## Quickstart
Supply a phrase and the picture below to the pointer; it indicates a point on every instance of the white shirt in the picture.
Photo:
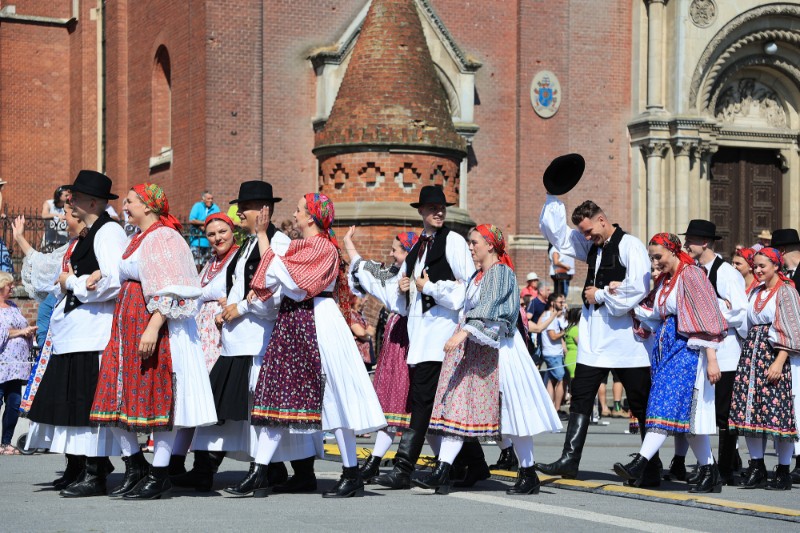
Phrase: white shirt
(564, 259)
(87, 328)
(730, 286)
(550, 347)
(606, 332)
(250, 333)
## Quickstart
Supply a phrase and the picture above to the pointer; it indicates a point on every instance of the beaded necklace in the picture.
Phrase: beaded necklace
(667, 287)
(762, 300)
(216, 266)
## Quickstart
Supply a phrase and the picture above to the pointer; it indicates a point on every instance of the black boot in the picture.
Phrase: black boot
(755, 477)
(677, 469)
(710, 480)
(407, 454)
(201, 476)
(633, 471)
(567, 465)
(370, 468)
(350, 484)
(727, 457)
(474, 473)
(277, 474)
(782, 479)
(136, 469)
(652, 474)
(254, 482)
(796, 472)
(75, 466)
(439, 479)
(303, 479)
(527, 482)
(93, 479)
(474, 460)
(506, 461)
(177, 465)
(155, 485)
(693, 477)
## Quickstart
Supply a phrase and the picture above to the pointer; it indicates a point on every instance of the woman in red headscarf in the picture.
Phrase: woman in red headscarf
(743, 262)
(153, 375)
(683, 314)
(485, 357)
(762, 406)
(391, 378)
(313, 377)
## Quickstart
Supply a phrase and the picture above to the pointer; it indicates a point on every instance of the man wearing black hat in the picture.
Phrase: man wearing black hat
(246, 330)
(605, 328)
(80, 329)
(787, 241)
(729, 286)
(440, 265)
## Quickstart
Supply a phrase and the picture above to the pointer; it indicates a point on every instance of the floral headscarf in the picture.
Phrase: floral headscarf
(222, 217)
(748, 254)
(321, 210)
(672, 242)
(408, 239)
(154, 197)
(777, 259)
(494, 237)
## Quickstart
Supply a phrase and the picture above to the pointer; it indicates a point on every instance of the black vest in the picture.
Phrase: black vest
(712, 274)
(83, 258)
(611, 269)
(250, 266)
(435, 263)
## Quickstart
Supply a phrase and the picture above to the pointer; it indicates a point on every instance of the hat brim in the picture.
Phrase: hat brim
(90, 192)
(712, 237)
(417, 205)
(563, 174)
(780, 244)
(271, 200)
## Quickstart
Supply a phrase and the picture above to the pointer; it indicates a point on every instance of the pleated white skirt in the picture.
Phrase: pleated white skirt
(194, 401)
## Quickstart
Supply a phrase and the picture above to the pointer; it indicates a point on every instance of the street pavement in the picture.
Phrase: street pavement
(594, 503)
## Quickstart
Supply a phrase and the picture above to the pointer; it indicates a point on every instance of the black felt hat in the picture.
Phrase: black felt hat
(702, 228)
(563, 173)
(93, 184)
(431, 194)
(255, 190)
(784, 237)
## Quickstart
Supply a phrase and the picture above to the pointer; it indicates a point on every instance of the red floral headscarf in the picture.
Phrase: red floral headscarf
(153, 196)
(221, 217)
(748, 254)
(494, 237)
(408, 239)
(776, 259)
(321, 210)
(672, 242)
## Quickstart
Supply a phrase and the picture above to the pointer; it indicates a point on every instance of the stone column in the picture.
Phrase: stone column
(655, 53)
(654, 152)
(706, 154)
(694, 183)
(682, 149)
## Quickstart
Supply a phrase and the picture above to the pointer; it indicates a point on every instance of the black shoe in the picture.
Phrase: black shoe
(677, 469)
(439, 479)
(567, 465)
(527, 482)
(297, 484)
(755, 477)
(370, 468)
(177, 465)
(475, 472)
(693, 477)
(782, 479)
(507, 460)
(633, 471)
(652, 474)
(350, 484)
(254, 483)
(92, 481)
(136, 469)
(155, 485)
(795, 474)
(277, 474)
(201, 476)
(399, 478)
(710, 480)
(75, 466)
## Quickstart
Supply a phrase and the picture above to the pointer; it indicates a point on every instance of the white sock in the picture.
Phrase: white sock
(435, 442)
(504, 443)
(651, 444)
(164, 440)
(128, 441)
(755, 445)
(268, 440)
(785, 450)
(523, 447)
(449, 449)
(681, 445)
(346, 439)
(701, 447)
(383, 441)
(182, 441)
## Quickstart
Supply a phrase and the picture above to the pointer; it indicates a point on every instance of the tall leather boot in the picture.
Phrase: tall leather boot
(303, 480)
(567, 465)
(155, 485)
(75, 466)
(93, 480)
(439, 479)
(254, 483)
(633, 471)
(177, 465)
(136, 469)
(727, 461)
(405, 459)
(350, 484)
(201, 476)
(277, 474)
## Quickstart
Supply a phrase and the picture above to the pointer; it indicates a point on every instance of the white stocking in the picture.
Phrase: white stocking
(681, 445)
(651, 444)
(164, 440)
(504, 443)
(435, 442)
(269, 439)
(449, 449)
(383, 441)
(346, 439)
(785, 450)
(701, 448)
(128, 441)
(523, 447)
(755, 445)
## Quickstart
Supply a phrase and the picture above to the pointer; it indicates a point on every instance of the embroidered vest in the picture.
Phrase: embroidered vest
(83, 258)
(435, 263)
(250, 266)
(611, 269)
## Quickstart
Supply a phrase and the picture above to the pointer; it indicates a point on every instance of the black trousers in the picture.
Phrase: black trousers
(723, 393)
(588, 379)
